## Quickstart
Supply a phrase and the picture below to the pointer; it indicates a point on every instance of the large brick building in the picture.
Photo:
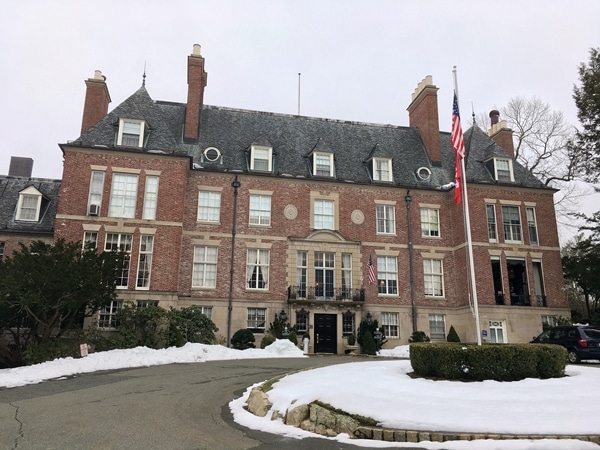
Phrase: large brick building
(247, 214)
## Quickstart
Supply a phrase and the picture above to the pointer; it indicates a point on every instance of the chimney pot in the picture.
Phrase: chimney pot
(196, 50)
(494, 116)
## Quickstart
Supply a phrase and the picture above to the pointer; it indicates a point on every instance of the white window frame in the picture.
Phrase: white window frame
(107, 316)
(126, 131)
(320, 161)
(382, 169)
(387, 275)
(96, 189)
(256, 318)
(437, 327)
(150, 197)
(532, 227)
(504, 173)
(260, 210)
(204, 267)
(433, 277)
(257, 265)
(490, 214)
(512, 229)
(430, 222)
(385, 218)
(123, 195)
(390, 325)
(144, 269)
(346, 276)
(206, 310)
(301, 273)
(258, 156)
(2, 246)
(26, 210)
(141, 304)
(90, 237)
(209, 206)
(123, 242)
(497, 332)
(323, 214)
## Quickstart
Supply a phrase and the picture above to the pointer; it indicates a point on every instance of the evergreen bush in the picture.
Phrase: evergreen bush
(418, 336)
(243, 339)
(267, 340)
(352, 339)
(368, 344)
(293, 338)
(453, 335)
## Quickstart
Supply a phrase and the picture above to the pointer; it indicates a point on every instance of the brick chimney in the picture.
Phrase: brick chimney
(423, 114)
(501, 133)
(96, 103)
(196, 83)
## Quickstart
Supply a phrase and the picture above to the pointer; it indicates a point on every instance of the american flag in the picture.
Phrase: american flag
(371, 271)
(458, 145)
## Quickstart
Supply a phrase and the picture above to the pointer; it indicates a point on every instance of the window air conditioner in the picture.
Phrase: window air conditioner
(94, 210)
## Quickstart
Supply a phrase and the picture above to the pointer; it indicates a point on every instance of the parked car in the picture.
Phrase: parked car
(582, 342)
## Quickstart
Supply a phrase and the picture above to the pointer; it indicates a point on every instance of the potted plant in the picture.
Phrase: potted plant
(351, 344)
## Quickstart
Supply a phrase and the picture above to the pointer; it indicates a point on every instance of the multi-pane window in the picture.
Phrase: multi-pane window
(150, 198)
(538, 282)
(301, 272)
(382, 169)
(387, 275)
(346, 276)
(141, 304)
(145, 261)
(204, 272)
(131, 133)
(490, 212)
(386, 222)
(1, 251)
(28, 208)
(256, 318)
(123, 195)
(120, 242)
(503, 170)
(389, 324)
(206, 310)
(209, 206)
(430, 222)
(437, 326)
(497, 333)
(511, 220)
(90, 239)
(260, 209)
(96, 189)
(323, 164)
(302, 321)
(433, 274)
(324, 214)
(257, 268)
(532, 226)
(348, 323)
(324, 274)
(107, 317)
(549, 322)
(261, 159)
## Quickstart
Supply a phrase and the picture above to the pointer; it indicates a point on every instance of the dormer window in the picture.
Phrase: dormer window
(28, 208)
(323, 164)
(131, 133)
(382, 169)
(261, 158)
(501, 169)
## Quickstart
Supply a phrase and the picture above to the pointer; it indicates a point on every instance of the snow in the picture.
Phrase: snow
(380, 388)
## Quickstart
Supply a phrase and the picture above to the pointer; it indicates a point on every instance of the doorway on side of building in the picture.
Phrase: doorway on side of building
(325, 333)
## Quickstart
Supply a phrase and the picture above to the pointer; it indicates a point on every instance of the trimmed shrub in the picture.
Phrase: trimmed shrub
(418, 336)
(58, 348)
(243, 339)
(351, 339)
(267, 340)
(452, 335)
(500, 362)
(368, 344)
(293, 338)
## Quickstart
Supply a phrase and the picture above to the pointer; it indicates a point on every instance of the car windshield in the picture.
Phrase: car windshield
(592, 333)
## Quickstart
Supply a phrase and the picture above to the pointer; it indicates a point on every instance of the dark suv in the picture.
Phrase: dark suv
(582, 342)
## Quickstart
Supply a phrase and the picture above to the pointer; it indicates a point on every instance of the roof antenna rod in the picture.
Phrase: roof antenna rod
(144, 76)
(473, 113)
(299, 74)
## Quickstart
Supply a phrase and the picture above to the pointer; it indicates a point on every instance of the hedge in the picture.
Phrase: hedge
(500, 362)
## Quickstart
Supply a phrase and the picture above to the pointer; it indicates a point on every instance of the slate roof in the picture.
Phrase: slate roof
(9, 198)
(293, 138)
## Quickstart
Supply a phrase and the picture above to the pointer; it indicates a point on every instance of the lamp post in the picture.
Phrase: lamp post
(283, 318)
(235, 184)
(408, 201)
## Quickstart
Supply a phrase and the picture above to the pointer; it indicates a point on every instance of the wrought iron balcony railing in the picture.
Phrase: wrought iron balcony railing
(325, 293)
(522, 300)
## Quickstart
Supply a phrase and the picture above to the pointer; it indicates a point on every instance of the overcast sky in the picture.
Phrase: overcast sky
(359, 60)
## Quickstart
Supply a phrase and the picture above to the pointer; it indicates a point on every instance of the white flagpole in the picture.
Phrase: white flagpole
(465, 199)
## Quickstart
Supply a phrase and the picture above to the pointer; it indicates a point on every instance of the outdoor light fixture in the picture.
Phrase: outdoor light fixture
(282, 316)
(369, 318)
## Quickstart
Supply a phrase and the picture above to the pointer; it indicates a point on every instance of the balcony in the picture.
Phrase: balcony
(318, 293)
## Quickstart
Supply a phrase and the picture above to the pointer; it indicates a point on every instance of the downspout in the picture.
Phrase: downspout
(235, 185)
(408, 200)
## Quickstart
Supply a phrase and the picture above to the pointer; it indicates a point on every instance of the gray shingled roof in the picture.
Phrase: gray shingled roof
(9, 198)
(293, 138)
